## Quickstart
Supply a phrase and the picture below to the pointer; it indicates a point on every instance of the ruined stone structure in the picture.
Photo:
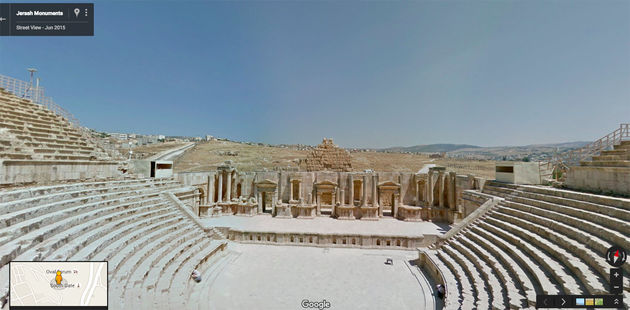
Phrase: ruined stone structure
(508, 242)
(328, 157)
(432, 196)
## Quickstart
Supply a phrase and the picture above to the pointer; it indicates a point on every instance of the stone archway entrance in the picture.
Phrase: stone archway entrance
(388, 196)
(266, 195)
(325, 197)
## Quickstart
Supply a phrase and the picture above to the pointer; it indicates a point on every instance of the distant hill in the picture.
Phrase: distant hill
(532, 152)
(429, 148)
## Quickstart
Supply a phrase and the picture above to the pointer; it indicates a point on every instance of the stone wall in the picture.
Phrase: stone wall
(435, 195)
(602, 180)
(331, 240)
(27, 171)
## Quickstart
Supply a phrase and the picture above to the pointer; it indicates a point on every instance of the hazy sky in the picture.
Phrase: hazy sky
(368, 74)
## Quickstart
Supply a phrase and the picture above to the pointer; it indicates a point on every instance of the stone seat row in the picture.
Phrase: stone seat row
(9, 100)
(24, 126)
(21, 107)
(129, 223)
(33, 121)
(541, 242)
(619, 156)
(13, 213)
(33, 125)
(57, 192)
(27, 116)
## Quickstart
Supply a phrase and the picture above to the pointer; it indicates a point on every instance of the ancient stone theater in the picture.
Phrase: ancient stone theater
(324, 234)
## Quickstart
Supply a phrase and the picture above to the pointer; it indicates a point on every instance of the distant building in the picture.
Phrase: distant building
(148, 139)
(119, 136)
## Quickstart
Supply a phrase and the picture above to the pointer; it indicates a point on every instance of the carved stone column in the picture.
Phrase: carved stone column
(452, 191)
(441, 188)
(228, 188)
(429, 188)
(342, 195)
(291, 191)
(279, 187)
(364, 202)
(375, 200)
(418, 203)
(319, 203)
(220, 193)
(210, 189)
(351, 193)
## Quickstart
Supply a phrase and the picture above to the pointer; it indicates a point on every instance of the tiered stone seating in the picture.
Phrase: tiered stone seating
(537, 240)
(44, 134)
(37, 145)
(608, 172)
(619, 156)
(129, 223)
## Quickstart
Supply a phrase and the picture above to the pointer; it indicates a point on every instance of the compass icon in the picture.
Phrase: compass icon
(616, 256)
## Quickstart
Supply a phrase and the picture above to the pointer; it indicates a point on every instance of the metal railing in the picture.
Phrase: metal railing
(36, 94)
(560, 163)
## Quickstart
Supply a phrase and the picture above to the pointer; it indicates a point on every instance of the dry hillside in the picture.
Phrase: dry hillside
(208, 155)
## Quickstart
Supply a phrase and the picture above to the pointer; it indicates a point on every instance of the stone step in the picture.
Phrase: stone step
(527, 212)
(582, 263)
(10, 201)
(46, 249)
(15, 156)
(513, 288)
(22, 214)
(502, 184)
(158, 217)
(492, 192)
(151, 281)
(468, 298)
(109, 243)
(454, 296)
(593, 217)
(195, 292)
(183, 266)
(103, 233)
(10, 113)
(150, 256)
(27, 118)
(40, 231)
(528, 268)
(35, 222)
(182, 277)
(613, 152)
(623, 203)
(494, 289)
(479, 287)
(606, 163)
(608, 235)
(611, 211)
(124, 273)
(556, 269)
(145, 236)
(625, 156)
